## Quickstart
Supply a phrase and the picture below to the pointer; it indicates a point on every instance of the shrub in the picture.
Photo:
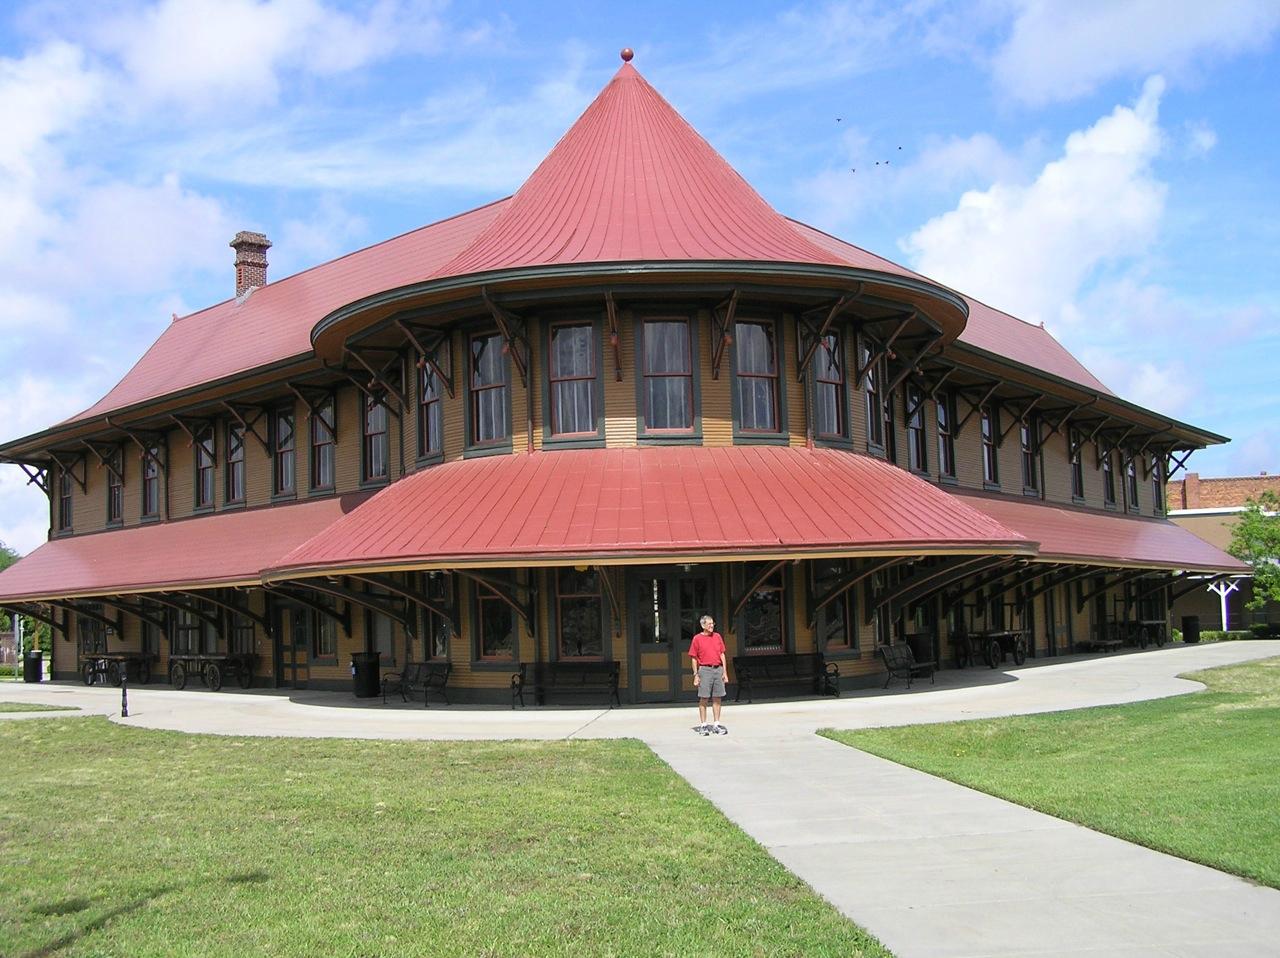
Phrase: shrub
(1217, 635)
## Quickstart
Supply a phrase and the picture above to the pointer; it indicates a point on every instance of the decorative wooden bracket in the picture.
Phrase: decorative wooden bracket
(314, 399)
(912, 365)
(615, 338)
(145, 443)
(166, 599)
(833, 313)
(69, 468)
(974, 407)
(250, 426)
(615, 608)
(1121, 579)
(393, 607)
(260, 620)
(29, 612)
(37, 475)
(929, 582)
(117, 623)
(107, 460)
(932, 390)
(508, 595)
(1173, 462)
(758, 581)
(448, 613)
(299, 597)
(192, 427)
(1065, 577)
(722, 331)
(429, 352)
(136, 610)
(997, 574)
(1019, 418)
(846, 582)
(513, 332)
(380, 377)
(886, 348)
(1056, 427)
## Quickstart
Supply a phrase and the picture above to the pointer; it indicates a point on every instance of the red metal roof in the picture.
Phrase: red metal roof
(275, 322)
(1083, 535)
(632, 181)
(988, 328)
(687, 502)
(227, 548)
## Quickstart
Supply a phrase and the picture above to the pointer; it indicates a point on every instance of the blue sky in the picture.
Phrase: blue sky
(1106, 167)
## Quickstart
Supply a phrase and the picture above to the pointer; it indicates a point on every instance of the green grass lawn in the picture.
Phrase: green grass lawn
(35, 707)
(119, 841)
(1195, 776)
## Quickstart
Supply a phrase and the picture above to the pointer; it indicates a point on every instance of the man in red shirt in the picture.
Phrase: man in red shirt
(710, 673)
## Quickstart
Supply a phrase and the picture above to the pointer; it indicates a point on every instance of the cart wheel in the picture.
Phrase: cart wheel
(995, 655)
(86, 673)
(144, 672)
(1143, 638)
(178, 675)
(1160, 638)
(113, 674)
(245, 676)
(1019, 652)
(213, 676)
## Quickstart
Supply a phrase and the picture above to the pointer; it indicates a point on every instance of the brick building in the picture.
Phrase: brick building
(553, 431)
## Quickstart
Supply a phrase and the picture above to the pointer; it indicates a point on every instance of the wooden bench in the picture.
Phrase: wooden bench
(902, 662)
(424, 677)
(566, 677)
(785, 668)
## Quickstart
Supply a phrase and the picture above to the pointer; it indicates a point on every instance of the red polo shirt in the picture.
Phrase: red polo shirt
(707, 649)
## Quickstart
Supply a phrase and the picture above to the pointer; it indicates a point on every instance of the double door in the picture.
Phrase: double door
(665, 605)
(295, 643)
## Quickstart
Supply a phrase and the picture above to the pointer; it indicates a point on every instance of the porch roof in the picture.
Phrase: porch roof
(663, 503)
(1068, 534)
(229, 548)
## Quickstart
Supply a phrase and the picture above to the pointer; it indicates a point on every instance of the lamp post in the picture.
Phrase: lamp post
(124, 689)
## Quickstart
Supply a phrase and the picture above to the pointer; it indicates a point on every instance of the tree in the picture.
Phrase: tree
(1256, 540)
(7, 558)
(36, 633)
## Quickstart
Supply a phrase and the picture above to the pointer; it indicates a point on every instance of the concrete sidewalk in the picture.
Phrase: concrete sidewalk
(930, 867)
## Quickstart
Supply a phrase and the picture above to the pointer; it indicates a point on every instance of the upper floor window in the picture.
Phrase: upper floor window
(917, 442)
(1131, 482)
(667, 374)
(1077, 465)
(830, 420)
(430, 440)
(1030, 474)
(115, 486)
(64, 500)
(755, 346)
(579, 613)
(204, 468)
(990, 452)
(324, 438)
(151, 481)
(375, 440)
(235, 463)
(1108, 480)
(875, 411)
(1157, 483)
(946, 437)
(285, 454)
(890, 433)
(571, 368)
(488, 384)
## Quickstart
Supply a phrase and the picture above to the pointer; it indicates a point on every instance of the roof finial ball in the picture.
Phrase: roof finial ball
(627, 54)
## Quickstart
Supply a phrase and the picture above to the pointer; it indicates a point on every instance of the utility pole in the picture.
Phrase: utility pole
(17, 643)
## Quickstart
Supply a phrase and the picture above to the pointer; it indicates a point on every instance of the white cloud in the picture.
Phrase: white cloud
(1057, 51)
(1029, 248)
(1168, 387)
(1201, 138)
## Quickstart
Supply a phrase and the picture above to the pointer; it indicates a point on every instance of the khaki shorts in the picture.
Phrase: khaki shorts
(710, 682)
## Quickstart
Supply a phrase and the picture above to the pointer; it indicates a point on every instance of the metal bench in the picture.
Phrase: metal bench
(424, 677)
(785, 668)
(901, 662)
(570, 677)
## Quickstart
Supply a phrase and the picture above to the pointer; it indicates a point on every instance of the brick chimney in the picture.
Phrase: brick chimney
(251, 260)
(1191, 491)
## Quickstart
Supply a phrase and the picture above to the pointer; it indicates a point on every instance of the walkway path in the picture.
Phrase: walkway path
(930, 867)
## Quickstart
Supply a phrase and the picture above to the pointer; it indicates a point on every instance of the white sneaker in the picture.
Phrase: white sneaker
(719, 730)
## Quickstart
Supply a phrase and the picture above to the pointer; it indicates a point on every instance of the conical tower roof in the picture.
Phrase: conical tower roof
(632, 181)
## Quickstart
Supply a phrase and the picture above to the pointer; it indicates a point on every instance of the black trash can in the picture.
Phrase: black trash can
(364, 674)
(33, 666)
(1191, 628)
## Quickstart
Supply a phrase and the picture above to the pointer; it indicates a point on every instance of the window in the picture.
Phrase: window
(579, 614)
(1108, 480)
(285, 457)
(186, 633)
(324, 437)
(488, 381)
(835, 625)
(1030, 474)
(1131, 482)
(438, 588)
(571, 367)
(763, 615)
(1157, 484)
(917, 442)
(890, 434)
(115, 486)
(828, 400)
(430, 442)
(151, 482)
(235, 463)
(667, 375)
(875, 414)
(946, 438)
(64, 500)
(756, 361)
(324, 631)
(381, 634)
(204, 468)
(495, 626)
(1077, 465)
(375, 440)
(242, 635)
(990, 454)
